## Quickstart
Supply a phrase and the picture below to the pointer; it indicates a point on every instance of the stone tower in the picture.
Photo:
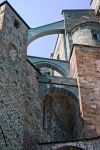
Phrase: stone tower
(41, 111)
(82, 33)
(13, 37)
(14, 80)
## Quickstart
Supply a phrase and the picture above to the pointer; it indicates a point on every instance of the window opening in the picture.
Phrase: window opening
(12, 52)
(16, 24)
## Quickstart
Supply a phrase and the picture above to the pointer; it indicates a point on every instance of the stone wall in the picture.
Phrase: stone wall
(33, 107)
(19, 128)
(56, 94)
(85, 66)
(76, 17)
(86, 144)
(84, 34)
(45, 109)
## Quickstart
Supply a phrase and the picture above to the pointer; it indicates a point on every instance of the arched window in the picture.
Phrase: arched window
(13, 52)
(61, 115)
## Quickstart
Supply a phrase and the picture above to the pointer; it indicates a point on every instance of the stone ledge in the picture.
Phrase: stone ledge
(58, 80)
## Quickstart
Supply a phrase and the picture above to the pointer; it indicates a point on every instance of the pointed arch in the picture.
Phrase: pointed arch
(61, 114)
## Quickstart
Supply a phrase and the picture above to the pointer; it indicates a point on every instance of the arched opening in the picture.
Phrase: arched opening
(13, 52)
(42, 47)
(53, 28)
(45, 71)
(46, 43)
(51, 66)
(69, 148)
(61, 115)
(49, 34)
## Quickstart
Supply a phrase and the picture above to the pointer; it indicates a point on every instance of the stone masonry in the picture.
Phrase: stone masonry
(50, 112)
(84, 57)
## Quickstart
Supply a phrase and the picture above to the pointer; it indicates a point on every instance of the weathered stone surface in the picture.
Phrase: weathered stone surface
(86, 144)
(76, 17)
(45, 112)
(85, 66)
(18, 89)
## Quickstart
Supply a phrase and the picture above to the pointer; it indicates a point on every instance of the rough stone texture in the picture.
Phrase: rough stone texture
(61, 115)
(83, 34)
(18, 88)
(12, 83)
(57, 95)
(86, 144)
(79, 25)
(45, 109)
(85, 66)
(76, 17)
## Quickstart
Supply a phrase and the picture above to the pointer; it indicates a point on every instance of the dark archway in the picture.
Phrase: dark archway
(62, 119)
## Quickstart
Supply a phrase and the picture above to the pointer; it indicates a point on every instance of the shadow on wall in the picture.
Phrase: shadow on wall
(69, 148)
(61, 116)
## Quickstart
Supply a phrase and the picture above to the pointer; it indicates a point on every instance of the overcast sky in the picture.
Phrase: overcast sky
(41, 12)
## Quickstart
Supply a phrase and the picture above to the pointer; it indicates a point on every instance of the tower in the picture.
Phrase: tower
(13, 50)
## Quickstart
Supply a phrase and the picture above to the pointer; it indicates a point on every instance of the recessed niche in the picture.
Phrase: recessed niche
(16, 24)
(13, 52)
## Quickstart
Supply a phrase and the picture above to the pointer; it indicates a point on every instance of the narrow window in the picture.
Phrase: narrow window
(95, 36)
(58, 57)
(16, 24)
(12, 52)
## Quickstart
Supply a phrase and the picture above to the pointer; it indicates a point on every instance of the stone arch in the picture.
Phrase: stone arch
(69, 148)
(53, 66)
(53, 28)
(62, 119)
